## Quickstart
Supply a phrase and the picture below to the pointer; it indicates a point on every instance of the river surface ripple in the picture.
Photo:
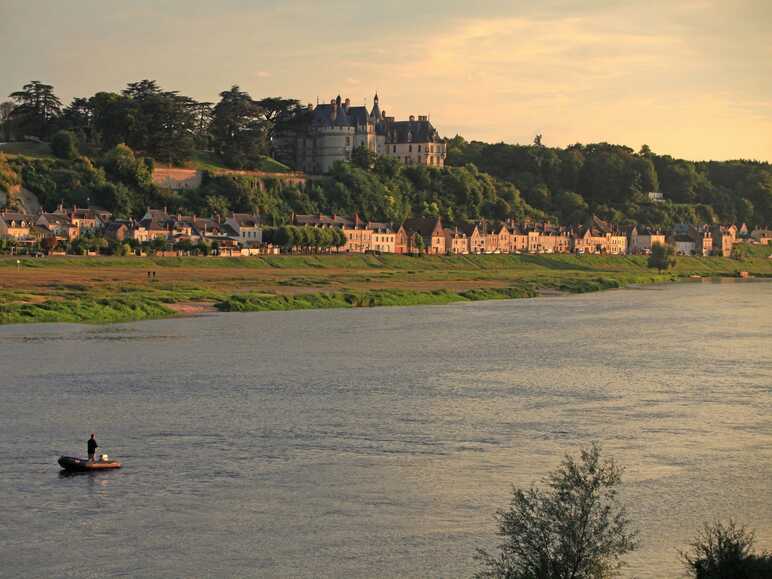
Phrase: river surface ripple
(378, 442)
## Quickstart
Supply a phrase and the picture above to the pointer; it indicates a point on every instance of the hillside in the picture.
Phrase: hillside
(613, 182)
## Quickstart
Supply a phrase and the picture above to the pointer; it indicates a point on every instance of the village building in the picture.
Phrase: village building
(384, 238)
(332, 131)
(16, 225)
(598, 236)
(119, 230)
(703, 239)
(88, 219)
(456, 241)
(431, 233)
(683, 245)
(518, 238)
(247, 228)
(762, 236)
(59, 225)
(642, 239)
(723, 239)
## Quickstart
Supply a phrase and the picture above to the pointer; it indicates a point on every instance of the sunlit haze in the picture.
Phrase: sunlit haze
(689, 78)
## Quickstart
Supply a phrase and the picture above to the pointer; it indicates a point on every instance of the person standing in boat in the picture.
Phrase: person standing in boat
(92, 446)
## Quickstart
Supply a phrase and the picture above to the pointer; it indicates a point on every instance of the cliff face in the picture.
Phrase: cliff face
(24, 200)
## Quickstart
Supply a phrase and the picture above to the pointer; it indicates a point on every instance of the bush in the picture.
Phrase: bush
(574, 528)
(724, 552)
(65, 145)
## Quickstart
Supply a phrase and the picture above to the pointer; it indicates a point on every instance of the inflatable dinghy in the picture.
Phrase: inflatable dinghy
(73, 463)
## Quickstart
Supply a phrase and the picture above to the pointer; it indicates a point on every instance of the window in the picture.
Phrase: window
(348, 141)
(410, 148)
(394, 150)
(419, 148)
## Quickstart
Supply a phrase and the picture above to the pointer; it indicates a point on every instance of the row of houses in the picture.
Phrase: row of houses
(242, 233)
(594, 237)
(236, 232)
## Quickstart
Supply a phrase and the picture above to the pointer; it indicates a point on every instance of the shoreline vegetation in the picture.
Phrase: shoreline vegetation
(109, 289)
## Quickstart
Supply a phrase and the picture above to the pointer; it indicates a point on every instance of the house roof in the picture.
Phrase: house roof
(426, 226)
(320, 219)
(245, 219)
(411, 132)
(9, 216)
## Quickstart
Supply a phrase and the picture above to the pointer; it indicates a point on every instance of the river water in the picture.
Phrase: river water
(378, 442)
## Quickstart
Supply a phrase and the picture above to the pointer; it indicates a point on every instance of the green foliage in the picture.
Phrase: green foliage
(64, 145)
(613, 180)
(724, 551)
(8, 176)
(239, 134)
(661, 257)
(36, 110)
(575, 527)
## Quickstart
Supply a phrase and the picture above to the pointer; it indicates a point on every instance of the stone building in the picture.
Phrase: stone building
(332, 131)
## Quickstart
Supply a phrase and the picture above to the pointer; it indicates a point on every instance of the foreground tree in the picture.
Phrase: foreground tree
(574, 528)
(724, 551)
(661, 257)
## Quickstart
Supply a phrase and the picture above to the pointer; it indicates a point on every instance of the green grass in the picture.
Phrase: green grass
(328, 281)
(206, 161)
(92, 310)
(258, 302)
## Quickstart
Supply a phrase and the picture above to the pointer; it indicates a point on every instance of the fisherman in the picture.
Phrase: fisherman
(92, 446)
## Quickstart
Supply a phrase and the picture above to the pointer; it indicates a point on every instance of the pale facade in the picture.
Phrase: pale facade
(14, 225)
(642, 240)
(334, 130)
(247, 228)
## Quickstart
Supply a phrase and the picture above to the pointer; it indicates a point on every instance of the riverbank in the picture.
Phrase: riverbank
(98, 290)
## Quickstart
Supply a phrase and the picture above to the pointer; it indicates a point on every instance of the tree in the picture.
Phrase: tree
(575, 528)
(6, 108)
(238, 129)
(363, 157)
(36, 107)
(277, 112)
(418, 241)
(64, 145)
(661, 257)
(724, 551)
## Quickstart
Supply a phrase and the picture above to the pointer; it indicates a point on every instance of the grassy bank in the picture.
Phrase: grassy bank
(73, 289)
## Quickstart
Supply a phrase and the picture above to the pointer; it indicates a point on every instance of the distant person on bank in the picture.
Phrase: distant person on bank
(92, 446)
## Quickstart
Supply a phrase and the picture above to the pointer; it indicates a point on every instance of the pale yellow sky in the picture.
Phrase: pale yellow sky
(690, 78)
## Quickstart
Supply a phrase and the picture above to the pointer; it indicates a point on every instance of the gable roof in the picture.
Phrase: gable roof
(426, 226)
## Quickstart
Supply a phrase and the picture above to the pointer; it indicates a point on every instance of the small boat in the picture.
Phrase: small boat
(77, 464)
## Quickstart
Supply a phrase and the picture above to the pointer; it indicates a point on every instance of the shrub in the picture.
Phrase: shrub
(65, 145)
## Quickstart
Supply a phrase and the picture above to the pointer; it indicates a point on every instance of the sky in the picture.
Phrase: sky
(690, 78)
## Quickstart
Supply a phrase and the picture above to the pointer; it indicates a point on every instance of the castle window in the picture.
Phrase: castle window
(410, 148)
(348, 140)
(394, 150)
(419, 148)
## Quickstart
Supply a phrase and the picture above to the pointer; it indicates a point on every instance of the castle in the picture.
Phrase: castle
(330, 132)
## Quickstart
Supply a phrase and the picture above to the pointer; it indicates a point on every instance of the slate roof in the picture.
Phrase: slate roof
(411, 132)
(16, 216)
(423, 225)
(319, 219)
(246, 219)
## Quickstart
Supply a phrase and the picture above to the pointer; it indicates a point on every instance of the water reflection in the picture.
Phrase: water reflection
(370, 442)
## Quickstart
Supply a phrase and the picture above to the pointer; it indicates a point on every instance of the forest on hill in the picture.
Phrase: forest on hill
(103, 149)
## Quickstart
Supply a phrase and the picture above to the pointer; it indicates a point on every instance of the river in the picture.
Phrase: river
(378, 442)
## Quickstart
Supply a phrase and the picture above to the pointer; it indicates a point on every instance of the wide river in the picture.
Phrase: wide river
(378, 442)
